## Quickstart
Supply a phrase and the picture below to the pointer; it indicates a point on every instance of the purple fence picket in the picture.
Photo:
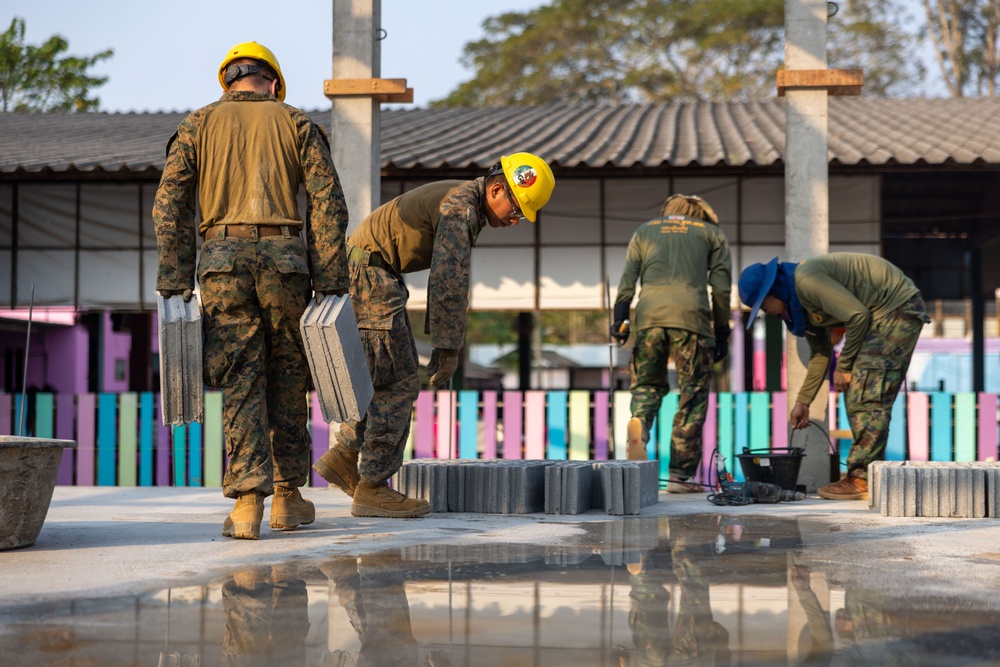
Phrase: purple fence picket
(779, 420)
(709, 439)
(512, 420)
(601, 417)
(489, 424)
(423, 435)
(987, 449)
(85, 434)
(320, 431)
(65, 405)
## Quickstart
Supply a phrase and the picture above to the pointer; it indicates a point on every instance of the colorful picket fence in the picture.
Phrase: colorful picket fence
(120, 441)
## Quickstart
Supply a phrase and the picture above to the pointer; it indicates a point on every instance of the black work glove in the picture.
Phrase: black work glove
(442, 366)
(721, 342)
(621, 327)
(185, 293)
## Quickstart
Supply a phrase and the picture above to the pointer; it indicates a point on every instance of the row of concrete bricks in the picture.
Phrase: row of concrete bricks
(530, 486)
(935, 489)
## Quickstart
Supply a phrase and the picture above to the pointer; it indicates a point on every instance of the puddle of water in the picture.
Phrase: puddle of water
(702, 590)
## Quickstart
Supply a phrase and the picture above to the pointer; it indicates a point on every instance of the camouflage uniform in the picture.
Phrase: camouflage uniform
(372, 592)
(883, 313)
(692, 355)
(677, 257)
(879, 372)
(266, 622)
(253, 290)
(434, 226)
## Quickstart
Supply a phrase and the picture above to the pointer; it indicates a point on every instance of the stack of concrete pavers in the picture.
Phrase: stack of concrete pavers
(479, 486)
(529, 486)
(935, 489)
(181, 382)
(626, 486)
(336, 359)
(569, 487)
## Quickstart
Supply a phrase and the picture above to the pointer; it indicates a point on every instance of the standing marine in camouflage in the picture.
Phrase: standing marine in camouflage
(676, 257)
(434, 226)
(882, 313)
(242, 160)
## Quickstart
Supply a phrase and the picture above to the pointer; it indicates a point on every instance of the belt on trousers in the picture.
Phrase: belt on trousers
(370, 258)
(252, 232)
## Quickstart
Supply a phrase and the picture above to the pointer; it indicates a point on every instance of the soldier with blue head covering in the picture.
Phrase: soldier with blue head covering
(882, 313)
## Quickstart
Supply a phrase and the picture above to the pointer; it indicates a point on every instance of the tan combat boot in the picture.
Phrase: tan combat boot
(339, 466)
(289, 509)
(379, 500)
(637, 437)
(243, 522)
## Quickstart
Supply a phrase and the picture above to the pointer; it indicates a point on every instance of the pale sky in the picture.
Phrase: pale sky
(167, 52)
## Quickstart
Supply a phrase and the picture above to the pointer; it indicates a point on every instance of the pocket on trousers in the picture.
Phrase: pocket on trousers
(217, 256)
(390, 355)
(871, 386)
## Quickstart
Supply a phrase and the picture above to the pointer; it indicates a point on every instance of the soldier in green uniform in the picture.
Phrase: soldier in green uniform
(242, 160)
(883, 314)
(434, 226)
(676, 257)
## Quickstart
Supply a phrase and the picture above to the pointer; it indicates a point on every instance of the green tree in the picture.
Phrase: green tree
(964, 35)
(41, 78)
(661, 50)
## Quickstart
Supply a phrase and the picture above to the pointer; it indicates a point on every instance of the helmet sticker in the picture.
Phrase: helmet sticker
(524, 176)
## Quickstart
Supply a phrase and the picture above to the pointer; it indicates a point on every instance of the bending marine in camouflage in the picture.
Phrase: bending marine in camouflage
(883, 314)
(677, 257)
(434, 226)
(243, 159)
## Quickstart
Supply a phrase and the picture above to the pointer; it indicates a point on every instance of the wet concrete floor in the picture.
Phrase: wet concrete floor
(684, 583)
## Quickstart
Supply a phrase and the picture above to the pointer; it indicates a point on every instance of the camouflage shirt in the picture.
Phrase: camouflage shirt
(434, 226)
(218, 155)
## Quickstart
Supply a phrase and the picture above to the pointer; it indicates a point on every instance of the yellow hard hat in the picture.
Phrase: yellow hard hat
(531, 181)
(257, 52)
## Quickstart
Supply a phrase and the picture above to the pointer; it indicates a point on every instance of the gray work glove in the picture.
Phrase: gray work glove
(185, 293)
(443, 365)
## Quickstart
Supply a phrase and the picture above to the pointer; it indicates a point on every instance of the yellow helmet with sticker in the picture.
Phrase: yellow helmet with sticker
(530, 180)
(257, 52)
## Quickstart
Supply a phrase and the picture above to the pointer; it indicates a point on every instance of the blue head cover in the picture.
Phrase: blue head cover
(775, 279)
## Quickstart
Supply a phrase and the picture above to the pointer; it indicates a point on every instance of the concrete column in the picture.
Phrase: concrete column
(807, 211)
(355, 141)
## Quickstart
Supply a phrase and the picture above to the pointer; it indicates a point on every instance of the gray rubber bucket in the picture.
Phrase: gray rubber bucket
(28, 471)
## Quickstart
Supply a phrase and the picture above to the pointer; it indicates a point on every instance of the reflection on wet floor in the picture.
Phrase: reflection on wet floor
(703, 590)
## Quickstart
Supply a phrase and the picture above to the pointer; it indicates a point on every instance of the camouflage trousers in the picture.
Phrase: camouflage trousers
(253, 294)
(266, 621)
(692, 356)
(879, 371)
(379, 300)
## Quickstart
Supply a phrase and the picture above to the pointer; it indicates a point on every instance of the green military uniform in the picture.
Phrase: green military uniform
(676, 258)
(434, 227)
(883, 314)
(243, 159)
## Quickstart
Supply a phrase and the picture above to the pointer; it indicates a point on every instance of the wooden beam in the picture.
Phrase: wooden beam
(835, 81)
(383, 90)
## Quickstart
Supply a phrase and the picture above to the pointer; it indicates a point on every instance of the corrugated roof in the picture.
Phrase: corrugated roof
(570, 136)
